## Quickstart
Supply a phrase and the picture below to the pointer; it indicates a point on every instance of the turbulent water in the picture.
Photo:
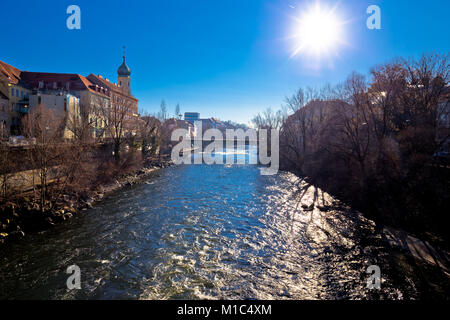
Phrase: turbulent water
(199, 231)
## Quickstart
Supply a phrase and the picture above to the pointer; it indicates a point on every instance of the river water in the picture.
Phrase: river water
(209, 232)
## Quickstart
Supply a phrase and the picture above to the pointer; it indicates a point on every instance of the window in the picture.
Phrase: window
(12, 92)
(21, 94)
(17, 92)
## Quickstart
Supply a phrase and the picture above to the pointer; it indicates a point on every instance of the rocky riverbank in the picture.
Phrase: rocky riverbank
(24, 215)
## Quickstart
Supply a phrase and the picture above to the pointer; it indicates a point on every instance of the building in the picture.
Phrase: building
(122, 101)
(183, 124)
(4, 116)
(191, 116)
(172, 124)
(63, 104)
(93, 100)
(209, 123)
(17, 95)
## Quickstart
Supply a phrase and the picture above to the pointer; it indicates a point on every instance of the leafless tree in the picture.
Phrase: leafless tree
(149, 132)
(47, 128)
(120, 122)
(6, 169)
(269, 119)
(81, 125)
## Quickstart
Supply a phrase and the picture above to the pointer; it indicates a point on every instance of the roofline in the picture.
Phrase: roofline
(115, 88)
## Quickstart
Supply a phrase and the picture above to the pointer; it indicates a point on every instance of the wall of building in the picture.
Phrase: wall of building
(4, 118)
(18, 106)
(65, 105)
(96, 108)
(191, 116)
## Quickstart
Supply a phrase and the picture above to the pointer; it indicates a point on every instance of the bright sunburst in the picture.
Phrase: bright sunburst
(318, 31)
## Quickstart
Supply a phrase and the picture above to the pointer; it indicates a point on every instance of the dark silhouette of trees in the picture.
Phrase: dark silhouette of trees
(372, 142)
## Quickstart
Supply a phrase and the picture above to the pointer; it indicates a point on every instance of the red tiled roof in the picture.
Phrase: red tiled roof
(13, 74)
(76, 82)
(106, 83)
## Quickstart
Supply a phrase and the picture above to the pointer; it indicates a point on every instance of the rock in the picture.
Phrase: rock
(49, 221)
(89, 203)
(17, 234)
(308, 208)
(324, 208)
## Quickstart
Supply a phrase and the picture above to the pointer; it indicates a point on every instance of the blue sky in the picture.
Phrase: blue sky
(228, 59)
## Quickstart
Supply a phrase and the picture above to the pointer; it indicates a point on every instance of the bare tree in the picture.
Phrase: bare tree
(119, 122)
(81, 125)
(149, 132)
(269, 119)
(6, 169)
(371, 141)
(47, 128)
(178, 112)
(162, 114)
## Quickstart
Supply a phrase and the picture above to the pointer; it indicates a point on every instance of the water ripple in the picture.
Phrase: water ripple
(197, 232)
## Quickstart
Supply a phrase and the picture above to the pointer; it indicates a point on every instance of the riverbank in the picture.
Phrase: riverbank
(423, 250)
(24, 216)
(216, 232)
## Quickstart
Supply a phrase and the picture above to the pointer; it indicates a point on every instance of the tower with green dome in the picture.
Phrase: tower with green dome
(123, 76)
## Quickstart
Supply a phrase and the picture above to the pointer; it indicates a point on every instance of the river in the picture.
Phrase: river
(209, 232)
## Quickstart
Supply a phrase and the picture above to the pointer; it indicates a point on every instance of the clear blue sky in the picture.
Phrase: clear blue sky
(222, 58)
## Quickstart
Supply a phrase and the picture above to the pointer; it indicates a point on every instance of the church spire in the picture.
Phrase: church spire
(124, 70)
(123, 75)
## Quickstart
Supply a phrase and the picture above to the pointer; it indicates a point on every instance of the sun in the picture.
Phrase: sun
(318, 31)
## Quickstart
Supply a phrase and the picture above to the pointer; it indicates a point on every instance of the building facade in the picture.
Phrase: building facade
(4, 116)
(92, 102)
(17, 95)
(93, 99)
(123, 105)
(191, 116)
(65, 105)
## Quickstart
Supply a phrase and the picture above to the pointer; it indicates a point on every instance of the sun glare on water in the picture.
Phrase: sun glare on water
(318, 31)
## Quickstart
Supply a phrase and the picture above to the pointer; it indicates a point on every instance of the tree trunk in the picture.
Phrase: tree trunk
(116, 151)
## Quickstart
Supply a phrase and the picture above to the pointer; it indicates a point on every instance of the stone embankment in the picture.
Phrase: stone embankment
(24, 215)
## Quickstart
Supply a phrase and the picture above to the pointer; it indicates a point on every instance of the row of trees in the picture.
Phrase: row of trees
(372, 139)
(66, 153)
(163, 113)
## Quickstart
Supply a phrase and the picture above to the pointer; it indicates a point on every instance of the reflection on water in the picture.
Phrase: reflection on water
(197, 231)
